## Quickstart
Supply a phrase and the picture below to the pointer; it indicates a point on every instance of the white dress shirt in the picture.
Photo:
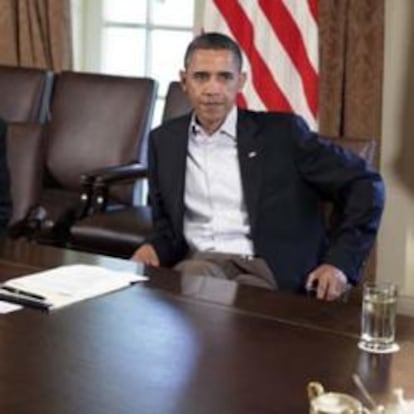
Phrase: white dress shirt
(215, 217)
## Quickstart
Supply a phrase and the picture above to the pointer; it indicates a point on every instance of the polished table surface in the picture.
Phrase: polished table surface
(174, 345)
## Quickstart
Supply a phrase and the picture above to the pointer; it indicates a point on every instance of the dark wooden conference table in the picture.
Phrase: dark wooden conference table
(174, 345)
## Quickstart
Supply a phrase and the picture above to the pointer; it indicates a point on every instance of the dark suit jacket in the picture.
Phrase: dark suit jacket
(5, 203)
(286, 170)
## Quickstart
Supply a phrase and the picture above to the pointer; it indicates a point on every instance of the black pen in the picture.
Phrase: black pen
(24, 300)
(18, 291)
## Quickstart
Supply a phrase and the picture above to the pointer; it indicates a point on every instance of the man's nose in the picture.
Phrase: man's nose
(212, 86)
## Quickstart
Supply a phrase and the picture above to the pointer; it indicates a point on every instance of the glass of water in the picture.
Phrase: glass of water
(379, 306)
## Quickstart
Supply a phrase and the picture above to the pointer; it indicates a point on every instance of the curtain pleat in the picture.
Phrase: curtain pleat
(351, 38)
(36, 33)
(8, 33)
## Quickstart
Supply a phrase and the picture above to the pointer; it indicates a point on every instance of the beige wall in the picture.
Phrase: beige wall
(396, 239)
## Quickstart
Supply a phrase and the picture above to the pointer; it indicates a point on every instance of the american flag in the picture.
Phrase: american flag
(279, 40)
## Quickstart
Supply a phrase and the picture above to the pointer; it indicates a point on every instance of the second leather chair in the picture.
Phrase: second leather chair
(119, 233)
(96, 121)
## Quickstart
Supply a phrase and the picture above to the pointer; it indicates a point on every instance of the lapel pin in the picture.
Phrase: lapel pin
(252, 154)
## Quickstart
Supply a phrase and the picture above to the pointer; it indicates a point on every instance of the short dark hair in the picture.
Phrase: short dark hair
(214, 41)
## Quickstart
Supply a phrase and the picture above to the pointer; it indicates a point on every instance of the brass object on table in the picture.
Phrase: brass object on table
(322, 402)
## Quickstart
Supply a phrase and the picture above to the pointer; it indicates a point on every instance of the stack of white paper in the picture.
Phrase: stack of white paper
(68, 284)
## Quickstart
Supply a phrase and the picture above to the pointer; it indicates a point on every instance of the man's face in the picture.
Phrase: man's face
(211, 81)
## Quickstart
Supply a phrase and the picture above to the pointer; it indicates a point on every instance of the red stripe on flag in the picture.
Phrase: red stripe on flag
(241, 100)
(313, 7)
(242, 29)
(287, 32)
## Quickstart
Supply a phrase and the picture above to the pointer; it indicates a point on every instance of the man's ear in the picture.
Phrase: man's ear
(242, 80)
(183, 78)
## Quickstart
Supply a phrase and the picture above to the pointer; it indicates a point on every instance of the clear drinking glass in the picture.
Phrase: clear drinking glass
(379, 306)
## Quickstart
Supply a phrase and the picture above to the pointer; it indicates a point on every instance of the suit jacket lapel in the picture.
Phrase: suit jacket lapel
(177, 158)
(249, 151)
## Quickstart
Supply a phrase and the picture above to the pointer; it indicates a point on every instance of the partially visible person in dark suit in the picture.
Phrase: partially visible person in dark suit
(236, 194)
(5, 201)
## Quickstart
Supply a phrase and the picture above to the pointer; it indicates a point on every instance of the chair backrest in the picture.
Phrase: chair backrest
(25, 159)
(366, 149)
(363, 147)
(24, 94)
(176, 102)
(97, 121)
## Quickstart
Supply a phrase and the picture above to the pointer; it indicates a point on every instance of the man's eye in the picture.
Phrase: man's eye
(200, 76)
(226, 76)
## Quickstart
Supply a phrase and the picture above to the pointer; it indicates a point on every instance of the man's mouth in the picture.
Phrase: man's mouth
(211, 104)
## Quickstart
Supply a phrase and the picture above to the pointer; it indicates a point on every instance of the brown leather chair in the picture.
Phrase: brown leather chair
(25, 94)
(96, 121)
(366, 149)
(120, 232)
(25, 160)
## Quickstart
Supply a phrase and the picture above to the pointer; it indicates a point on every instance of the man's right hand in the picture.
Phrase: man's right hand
(146, 254)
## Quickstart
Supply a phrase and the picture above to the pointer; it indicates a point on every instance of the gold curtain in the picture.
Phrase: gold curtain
(351, 39)
(36, 33)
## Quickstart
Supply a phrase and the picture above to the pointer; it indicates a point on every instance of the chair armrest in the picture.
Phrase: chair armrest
(102, 179)
(118, 174)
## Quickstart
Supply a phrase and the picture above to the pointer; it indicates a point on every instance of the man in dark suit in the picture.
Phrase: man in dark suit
(5, 203)
(237, 193)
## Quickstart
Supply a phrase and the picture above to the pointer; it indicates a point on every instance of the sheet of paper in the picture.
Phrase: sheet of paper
(67, 284)
(6, 307)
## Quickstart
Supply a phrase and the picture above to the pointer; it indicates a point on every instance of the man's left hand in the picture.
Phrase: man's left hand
(330, 282)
